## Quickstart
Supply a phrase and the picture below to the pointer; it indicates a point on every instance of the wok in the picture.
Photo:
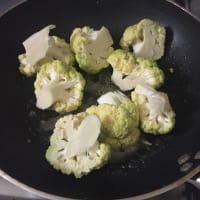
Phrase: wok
(24, 138)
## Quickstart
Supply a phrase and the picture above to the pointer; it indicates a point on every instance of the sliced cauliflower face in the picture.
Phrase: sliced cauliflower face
(156, 113)
(129, 71)
(42, 48)
(59, 86)
(91, 48)
(114, 98)
(74, 147)
(36, 46)
(147, 39)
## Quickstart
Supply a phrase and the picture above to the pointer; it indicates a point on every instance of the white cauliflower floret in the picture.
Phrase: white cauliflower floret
(59, 86)
(91, 48)
(74, 146)
(129, 71)
(156, 113)
(147, 39)
(41, 48)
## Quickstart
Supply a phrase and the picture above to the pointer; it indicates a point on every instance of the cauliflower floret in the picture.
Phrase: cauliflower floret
(156, 114)
(147, 39)
(129, 71)
(91, 48)
(59, 86)
(74, 146)
(120, 119)
(29, 70)
(61, 50)
(130, 141)
(42, 48)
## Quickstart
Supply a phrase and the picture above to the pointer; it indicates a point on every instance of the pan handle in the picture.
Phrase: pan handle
(195, 183)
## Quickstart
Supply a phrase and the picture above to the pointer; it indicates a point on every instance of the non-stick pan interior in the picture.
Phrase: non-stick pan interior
(25, 130)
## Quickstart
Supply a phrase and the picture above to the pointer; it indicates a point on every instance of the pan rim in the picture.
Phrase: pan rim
(12, 7)
(184, 9)
(148, 195)
(169, 1)
(144, 196)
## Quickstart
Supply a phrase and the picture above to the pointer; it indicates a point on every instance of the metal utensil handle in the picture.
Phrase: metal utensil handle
(194, 183)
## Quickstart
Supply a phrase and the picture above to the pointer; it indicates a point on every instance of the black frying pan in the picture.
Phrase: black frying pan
(23, 142)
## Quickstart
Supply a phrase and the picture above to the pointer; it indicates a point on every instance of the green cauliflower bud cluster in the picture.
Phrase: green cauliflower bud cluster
(27, 69)
(146, 39)
(89, 154)
(129, 70)
(122, 60)
(91, 48)
(120, 120)
(61, 51)
(131, 139)
(59, 86)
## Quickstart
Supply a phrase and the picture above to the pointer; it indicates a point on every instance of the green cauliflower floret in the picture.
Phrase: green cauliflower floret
(59, 86)
(146, 39)
(120, 119)
(74, 146)
(42, 48)
(29, 70)
(156, 114)
(129, 71)
(91, 48)
(122, 144)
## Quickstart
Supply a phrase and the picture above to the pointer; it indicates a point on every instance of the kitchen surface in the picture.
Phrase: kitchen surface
(9, 191)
